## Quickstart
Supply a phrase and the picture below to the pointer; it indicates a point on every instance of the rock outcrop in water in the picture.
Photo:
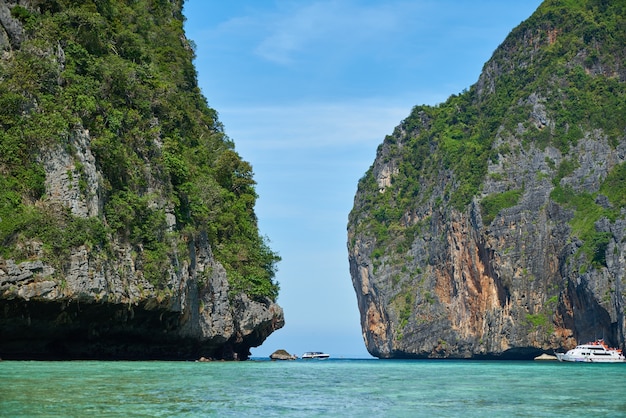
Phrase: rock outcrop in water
(494, 224)
(127, 228)
(282, 355)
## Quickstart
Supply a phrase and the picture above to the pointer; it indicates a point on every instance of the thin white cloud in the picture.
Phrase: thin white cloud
(312, 125)
(339, 24)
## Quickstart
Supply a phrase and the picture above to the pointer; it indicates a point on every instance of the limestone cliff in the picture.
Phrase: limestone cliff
(494, 224)
(127, 228)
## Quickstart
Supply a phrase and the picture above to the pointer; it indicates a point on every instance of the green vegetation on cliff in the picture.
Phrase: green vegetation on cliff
(567, 59)
(493, 224)
(123, 71)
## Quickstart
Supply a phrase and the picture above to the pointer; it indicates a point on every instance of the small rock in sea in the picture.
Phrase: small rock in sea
(546, 357)
(204, 359)
(282, 355)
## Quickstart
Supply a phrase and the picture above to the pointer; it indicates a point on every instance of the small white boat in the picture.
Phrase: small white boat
(593, 352)
(315, 355)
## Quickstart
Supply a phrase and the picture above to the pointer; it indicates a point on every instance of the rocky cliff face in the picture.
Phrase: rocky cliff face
(160, 293)
(104, 309)
(493, 225)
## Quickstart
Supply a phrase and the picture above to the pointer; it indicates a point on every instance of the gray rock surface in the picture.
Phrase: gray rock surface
(282, 355)
(450, 283)
(97, 303)
(11, 31)
(104, 309)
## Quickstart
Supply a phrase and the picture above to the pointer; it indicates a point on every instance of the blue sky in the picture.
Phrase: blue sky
(307, 90)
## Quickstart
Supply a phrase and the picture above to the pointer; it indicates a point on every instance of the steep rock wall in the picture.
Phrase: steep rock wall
(66, 298)
(98, 305)
(533, 259)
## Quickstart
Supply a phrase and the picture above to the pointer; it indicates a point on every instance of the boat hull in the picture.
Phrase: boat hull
(315, 356)
(595, 352)
(578, 359)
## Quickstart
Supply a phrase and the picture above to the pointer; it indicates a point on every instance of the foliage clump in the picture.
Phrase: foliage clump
(124, 72)
(492, 205)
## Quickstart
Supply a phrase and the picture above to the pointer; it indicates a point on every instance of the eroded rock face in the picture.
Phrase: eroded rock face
(66, 172)
(513, 288)
(439, 281)
(96, 314)
(92, 302)
(282, 355)
(11, 31)
(103, 309)
(98, 307)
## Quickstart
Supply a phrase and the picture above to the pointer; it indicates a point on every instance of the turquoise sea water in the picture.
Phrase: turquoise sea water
(303, 388)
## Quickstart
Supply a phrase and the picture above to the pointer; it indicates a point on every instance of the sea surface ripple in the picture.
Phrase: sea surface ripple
(311, 388)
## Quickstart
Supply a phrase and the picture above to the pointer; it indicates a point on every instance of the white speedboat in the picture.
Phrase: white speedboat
(593, 352)
(315, 355)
